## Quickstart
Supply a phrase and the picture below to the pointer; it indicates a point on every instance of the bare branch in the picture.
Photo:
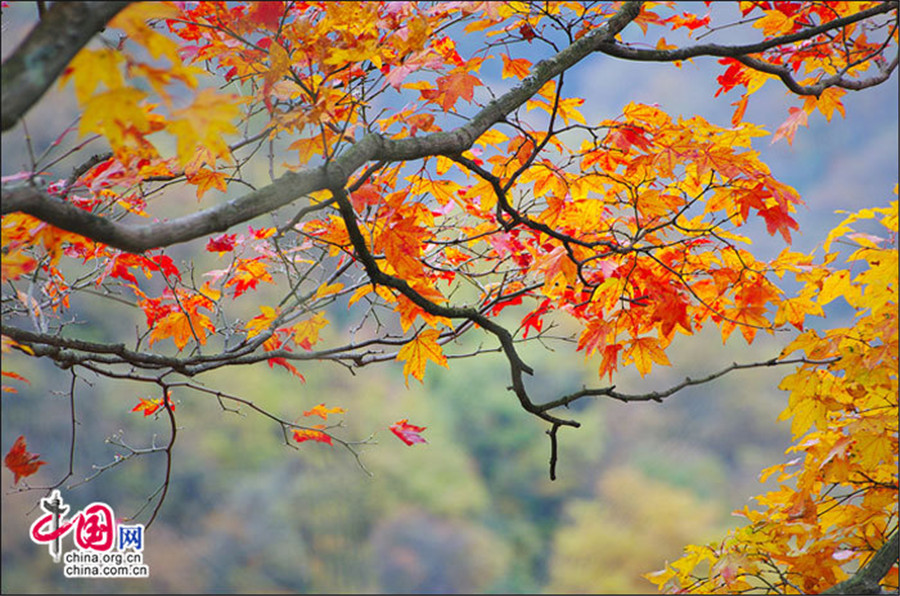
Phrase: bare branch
(658, 396)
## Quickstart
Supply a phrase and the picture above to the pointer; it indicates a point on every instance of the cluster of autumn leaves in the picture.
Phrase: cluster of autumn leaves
(628, 228)
(837, 496)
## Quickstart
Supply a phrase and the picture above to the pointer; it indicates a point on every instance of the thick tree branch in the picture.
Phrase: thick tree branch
(30, 70)
(868, 579)
(293, 185)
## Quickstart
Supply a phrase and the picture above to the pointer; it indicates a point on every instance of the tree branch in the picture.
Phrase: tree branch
(30, 70)
(617, 50)
(742, 54)
(293, 185)
(868, 579)
(658, 396)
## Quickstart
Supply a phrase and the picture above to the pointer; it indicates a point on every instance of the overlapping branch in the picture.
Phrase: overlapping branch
(292, 186)
(40, 59)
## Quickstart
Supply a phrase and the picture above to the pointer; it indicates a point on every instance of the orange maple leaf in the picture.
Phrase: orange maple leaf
(150, 406)
(205, 179)
(323, 412)
(455, 85)
(20, 462)
(184, 325)
(515, 67)
(248, 274)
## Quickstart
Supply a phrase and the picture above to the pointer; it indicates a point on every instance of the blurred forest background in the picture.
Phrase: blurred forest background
(473, 510)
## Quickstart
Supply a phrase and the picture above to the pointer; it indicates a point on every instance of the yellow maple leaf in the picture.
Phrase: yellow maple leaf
(644, 351)
(306, 333)
(775, 23)
(205, 123)
(419, 351)
(827, 102)
(794, 311)
(260, 323)
(133, 20)
(107, 113)
(90, 67)
(328, 290)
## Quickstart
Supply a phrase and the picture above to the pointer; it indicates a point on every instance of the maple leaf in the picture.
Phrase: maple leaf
(827, 102)
(150, 406)
(644, 351)
(794, 311)
(787, 129)
(365, 196)
(182, 327)
(20, 462)
(302, 435)
(740, 108)
(113, 113)
(306, 333)
(261, 322)
(205, 179)
(778, 220)
(408, 433)
(221, 244)
(248, 274)
(671, 310)
(323, 412)
(267, 14)
(595, 335)
(90, 67)
(455, 85)
(515, 67)
(401, 244)
(419, 351)
(205, 124)
(328, 290)
(534, 319)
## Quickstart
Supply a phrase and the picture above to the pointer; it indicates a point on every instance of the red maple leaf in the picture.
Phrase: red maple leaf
(266, 15)
(534, 319)
(527, 32)
(220, 244)
(20, 461)
(777, 220)
(304, 434)
(408, 433)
